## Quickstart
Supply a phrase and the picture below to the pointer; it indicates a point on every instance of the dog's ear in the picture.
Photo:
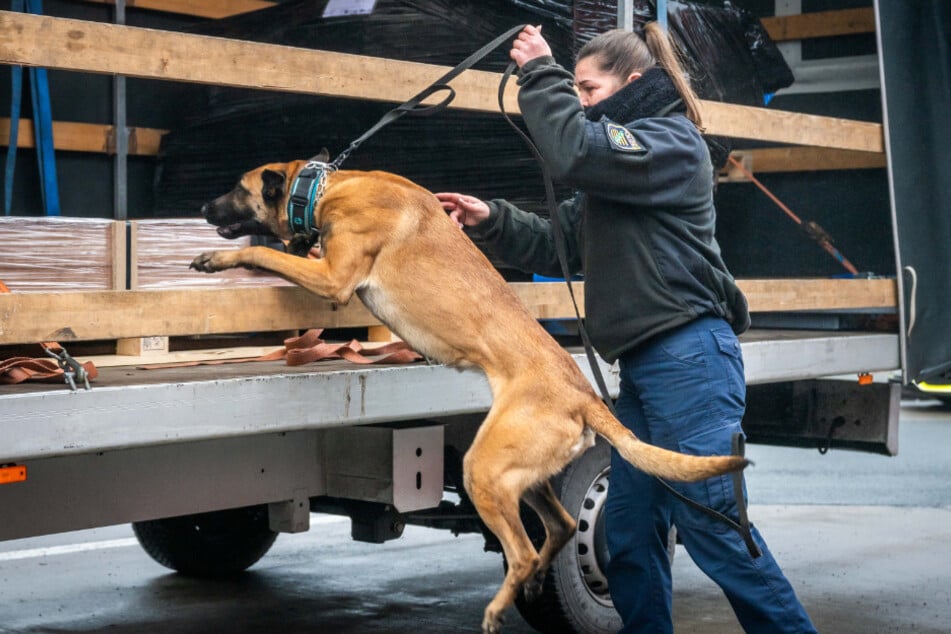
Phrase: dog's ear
(323, 156)
(273, 186)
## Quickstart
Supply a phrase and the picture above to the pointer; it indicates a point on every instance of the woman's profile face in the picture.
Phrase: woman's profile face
(595, 85)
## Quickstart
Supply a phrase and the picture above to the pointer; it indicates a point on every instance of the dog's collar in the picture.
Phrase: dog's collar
(308, 187)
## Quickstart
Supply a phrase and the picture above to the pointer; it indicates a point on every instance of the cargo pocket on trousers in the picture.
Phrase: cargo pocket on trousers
(715, 492)
(730, 368)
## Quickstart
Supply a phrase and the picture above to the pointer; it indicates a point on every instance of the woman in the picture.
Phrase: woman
(658, 300)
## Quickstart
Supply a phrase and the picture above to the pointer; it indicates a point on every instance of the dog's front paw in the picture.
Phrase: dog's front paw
(492, 623)
(210, 262)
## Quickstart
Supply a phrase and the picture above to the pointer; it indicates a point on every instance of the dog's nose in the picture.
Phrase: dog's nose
(204, 210)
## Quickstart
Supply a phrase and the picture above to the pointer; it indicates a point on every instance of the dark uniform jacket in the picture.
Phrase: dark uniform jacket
(641, 228)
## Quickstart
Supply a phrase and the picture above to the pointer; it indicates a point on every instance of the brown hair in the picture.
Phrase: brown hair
(621, 53)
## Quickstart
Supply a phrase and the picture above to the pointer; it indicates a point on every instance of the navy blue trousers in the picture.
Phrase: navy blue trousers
(685, 391)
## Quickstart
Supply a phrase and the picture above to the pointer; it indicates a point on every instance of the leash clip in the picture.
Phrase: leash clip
(73, 370)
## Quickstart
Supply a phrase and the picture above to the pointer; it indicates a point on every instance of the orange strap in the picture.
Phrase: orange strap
(309, 348)
(20, 369)
(811, 228)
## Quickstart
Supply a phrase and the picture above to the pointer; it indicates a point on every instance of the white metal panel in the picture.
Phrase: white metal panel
(56, 421)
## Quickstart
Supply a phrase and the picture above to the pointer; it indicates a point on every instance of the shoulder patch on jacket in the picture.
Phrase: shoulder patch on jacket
(622, 139)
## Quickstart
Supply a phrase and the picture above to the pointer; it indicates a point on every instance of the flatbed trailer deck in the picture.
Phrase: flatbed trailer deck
(132, 407)
(239, 434)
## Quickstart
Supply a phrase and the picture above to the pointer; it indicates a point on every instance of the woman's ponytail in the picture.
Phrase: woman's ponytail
(667, 56)
(621, 53)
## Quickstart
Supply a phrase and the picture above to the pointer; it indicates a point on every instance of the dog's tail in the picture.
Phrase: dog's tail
(669, 465)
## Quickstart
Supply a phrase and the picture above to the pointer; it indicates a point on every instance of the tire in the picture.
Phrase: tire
(575, 595)
(212, 544)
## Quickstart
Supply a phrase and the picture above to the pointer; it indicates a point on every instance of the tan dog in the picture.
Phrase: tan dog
(388, 241)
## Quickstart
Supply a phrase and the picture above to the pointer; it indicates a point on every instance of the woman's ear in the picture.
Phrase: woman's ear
(633, 76)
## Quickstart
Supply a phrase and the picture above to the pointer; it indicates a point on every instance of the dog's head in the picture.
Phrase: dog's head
(258, 203)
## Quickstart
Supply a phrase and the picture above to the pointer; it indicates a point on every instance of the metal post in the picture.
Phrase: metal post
(120, 180)
(625, 15)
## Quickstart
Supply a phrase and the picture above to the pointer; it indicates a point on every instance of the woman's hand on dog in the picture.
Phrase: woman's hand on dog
(465, 211)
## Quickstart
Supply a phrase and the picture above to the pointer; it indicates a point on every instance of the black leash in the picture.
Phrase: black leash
(306, 189)
(413, 106)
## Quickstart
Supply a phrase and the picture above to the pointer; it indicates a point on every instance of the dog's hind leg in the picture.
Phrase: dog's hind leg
(495, 494)
(559, 528)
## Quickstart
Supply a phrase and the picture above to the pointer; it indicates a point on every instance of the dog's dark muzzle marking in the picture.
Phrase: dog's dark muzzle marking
(230, 222)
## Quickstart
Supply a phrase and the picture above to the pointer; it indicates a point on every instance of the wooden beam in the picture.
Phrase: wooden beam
(83, 316)
(820, 24)
(93, 315)
(96, 47)
(95, 137)
(746, 122)
(807, 159)
(69, 136)
(780, 28)
(200, 8)
(812, 294)
(79, 45)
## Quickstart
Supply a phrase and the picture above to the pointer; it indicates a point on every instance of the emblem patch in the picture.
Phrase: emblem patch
(621, 138)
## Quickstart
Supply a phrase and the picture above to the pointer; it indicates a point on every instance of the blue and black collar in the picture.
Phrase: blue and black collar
(308, 187)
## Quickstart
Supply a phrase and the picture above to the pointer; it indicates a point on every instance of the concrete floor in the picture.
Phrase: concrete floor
(859, 566)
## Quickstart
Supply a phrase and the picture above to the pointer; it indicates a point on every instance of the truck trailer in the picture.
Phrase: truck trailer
(210, 447)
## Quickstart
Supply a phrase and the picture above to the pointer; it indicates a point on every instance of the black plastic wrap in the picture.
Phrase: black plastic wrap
(454, 150)
(234, 130)
(728, 53)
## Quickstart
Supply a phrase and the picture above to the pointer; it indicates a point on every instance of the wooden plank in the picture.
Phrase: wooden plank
(119, 255)
(781, 295)
(105, 48)
(64, 317)
(806, 159)
(90, 137)
(181, 356)
(141, 347)
(71, 136)
(96, 47)
(780, 28)
(747, 122)
(200, 8)
(820, 24)
(549, 300)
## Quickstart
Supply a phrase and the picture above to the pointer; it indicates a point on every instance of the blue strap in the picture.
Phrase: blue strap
(16, 87)
(42, 127)
(16, 73)
(43, 131)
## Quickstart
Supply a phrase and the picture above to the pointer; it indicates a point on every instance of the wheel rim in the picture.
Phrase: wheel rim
(590, 544)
